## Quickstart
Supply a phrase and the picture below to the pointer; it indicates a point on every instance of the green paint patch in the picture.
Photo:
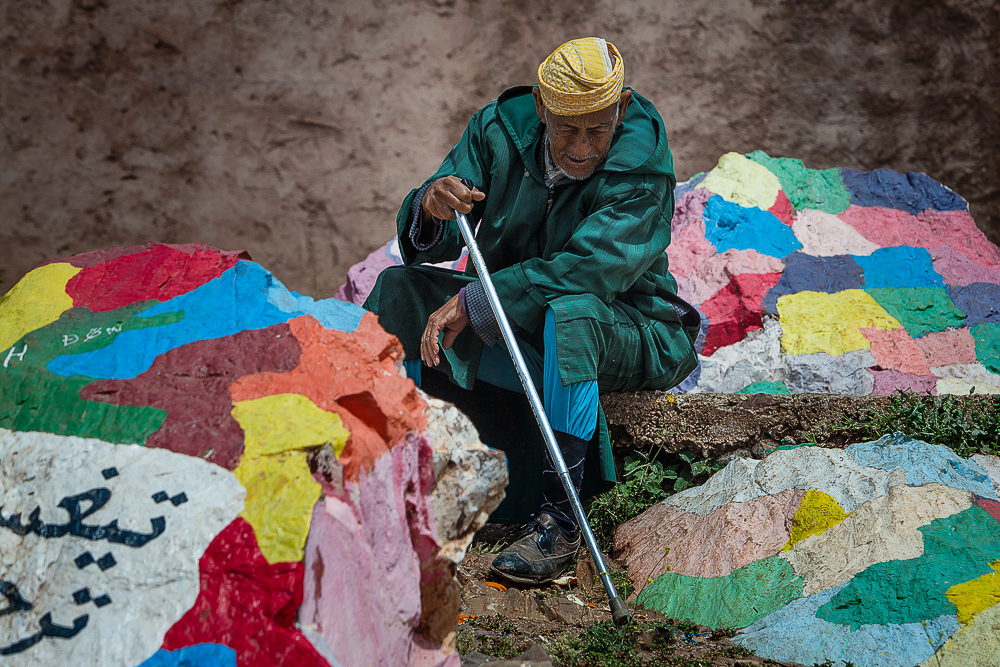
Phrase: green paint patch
(765, 388)
(957, 549)
(987, 337)
(33, 398)
(920, 310)
(819, 189)
(734, 601)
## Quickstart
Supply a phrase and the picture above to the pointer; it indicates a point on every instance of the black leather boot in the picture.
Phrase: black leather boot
(543, 552)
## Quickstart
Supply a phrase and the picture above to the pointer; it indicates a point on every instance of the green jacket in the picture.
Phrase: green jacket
(597, 259)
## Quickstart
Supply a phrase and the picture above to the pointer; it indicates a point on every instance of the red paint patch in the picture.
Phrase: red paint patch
(736, 309)
(353, 374)
(246, 604)
(896, 350)
(94, 257)
(158, 272)
(192, 384)
(991, 506)
(782, 209)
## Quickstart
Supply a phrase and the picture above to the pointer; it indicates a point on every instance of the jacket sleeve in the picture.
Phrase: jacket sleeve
(470, 158)
(627, 230)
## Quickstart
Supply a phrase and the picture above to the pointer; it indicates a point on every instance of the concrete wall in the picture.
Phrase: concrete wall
(294, 128)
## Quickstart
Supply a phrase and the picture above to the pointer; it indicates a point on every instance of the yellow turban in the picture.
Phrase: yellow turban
(581, 76)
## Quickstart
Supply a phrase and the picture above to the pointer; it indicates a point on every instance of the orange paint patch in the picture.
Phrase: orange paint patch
(896, 350)
(353, 374)
(499, 587)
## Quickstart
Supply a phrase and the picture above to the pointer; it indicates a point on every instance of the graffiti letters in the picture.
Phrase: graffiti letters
(97, 498)
(11, 354)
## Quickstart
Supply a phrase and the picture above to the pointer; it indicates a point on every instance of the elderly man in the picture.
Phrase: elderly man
(571, 183)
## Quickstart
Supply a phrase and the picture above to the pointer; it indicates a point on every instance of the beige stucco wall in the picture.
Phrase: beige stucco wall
(294, 128)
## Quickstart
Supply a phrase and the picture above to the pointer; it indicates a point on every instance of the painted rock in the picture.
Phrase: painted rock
(884, 554)
(851, 282)
(200, 467)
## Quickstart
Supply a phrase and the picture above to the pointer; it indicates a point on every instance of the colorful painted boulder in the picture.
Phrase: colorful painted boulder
(824, 280)
(200, 467)
(885, 554)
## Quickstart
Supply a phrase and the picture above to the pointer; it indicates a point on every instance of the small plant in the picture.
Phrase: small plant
(646, 480)
(967, 426)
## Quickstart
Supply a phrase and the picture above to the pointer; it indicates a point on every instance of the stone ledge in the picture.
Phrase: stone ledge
(719, 424)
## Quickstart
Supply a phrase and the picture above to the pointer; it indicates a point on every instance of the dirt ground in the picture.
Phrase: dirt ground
(294, 129)
(500, 619)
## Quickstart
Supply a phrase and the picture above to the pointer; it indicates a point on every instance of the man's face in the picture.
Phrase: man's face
(579, 143)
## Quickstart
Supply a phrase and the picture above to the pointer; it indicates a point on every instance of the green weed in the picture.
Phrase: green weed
(645, 481)
(967, 426)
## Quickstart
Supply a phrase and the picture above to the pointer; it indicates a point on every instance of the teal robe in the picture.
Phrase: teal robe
(594, 254)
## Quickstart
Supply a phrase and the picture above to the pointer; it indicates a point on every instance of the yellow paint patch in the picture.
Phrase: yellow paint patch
(978, 595)
(816, 514)
(39, 298)
(820, 322)
(281, 492)
(742, 181)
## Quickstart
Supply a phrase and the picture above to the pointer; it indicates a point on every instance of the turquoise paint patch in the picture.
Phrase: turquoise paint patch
(730, 226)
(987, 337)
(238, 300)
(902, 266)
(820, 189)
(765, 388)
(794, 634)
(923, 463)
(957, 549)
(733, 601)
(199, 655)
(920, 310)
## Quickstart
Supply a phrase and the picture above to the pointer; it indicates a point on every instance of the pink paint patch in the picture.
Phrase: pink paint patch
(716, 271)
(944, 348)
(689, 208)
(957, 269)
(368, 551)
(991, 506)
(689, 248)
(930, 229)
(684, 289)
(362, 276)
(887, 382)
(735, 309)
(783, 209)
(896, 350)
(734, 535)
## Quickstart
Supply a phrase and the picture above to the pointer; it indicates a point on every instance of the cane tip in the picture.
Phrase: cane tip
(619, 612)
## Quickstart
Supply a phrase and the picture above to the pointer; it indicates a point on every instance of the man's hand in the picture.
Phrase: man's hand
(447, 195)
(449, 318)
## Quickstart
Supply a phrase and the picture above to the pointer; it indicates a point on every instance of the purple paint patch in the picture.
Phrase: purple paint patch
(957, 269)
(814, 274)
(912, 192)
(979, 301)
(887, 382)
(362, 276)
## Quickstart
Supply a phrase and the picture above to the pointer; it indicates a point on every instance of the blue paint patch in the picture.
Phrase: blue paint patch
(331, 313)
(805, 273)
(794, 634)
(730, 226)
(979, 301)
(901, 266)
(923, 463)
(688, 185)
(690, 382)
(199, 655)
(243, 298)
(911, 192)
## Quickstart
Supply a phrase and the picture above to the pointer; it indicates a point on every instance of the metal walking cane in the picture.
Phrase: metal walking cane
(619, 612)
